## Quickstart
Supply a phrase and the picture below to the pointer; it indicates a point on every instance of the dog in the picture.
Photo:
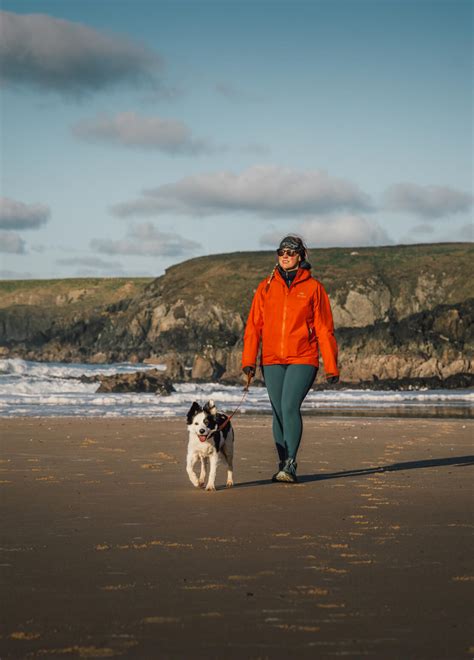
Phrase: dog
(207, 443)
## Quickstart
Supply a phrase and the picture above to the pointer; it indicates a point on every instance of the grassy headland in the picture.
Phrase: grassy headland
(402, 311)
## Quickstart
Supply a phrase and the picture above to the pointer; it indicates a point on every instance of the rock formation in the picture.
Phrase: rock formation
(141, 381)
(401, 312)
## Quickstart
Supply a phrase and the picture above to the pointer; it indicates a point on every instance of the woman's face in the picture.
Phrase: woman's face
(289, 259)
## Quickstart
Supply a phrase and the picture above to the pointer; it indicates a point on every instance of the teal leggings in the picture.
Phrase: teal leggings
(287, 386)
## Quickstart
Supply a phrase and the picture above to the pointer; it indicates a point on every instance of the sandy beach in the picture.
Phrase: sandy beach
(108, 551)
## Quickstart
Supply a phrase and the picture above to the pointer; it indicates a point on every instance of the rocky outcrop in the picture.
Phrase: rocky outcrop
(436, 343)
(25, 325)
(362, 304)
(400, 313)
(152, 381)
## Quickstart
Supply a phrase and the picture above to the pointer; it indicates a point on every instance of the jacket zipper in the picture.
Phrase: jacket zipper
(283, 325)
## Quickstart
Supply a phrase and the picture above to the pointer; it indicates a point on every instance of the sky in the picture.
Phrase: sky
(138, 134)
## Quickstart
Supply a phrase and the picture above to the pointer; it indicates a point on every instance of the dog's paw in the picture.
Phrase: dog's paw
(229, 483)
(210, 487)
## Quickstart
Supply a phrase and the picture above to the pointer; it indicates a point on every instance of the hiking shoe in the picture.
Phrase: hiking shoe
(280, 468)
(288, 472)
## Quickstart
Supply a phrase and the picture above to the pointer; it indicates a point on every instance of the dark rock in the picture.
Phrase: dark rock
(456, 381)
(85, 379)
(25, 323)
(140, 381)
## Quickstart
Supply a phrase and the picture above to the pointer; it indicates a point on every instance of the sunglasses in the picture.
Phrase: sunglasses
(289, 253)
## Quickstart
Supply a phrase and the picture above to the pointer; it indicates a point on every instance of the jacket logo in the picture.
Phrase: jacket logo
(301, 294)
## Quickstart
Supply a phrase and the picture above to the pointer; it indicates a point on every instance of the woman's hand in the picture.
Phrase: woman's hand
(332, 380)
(249, 371)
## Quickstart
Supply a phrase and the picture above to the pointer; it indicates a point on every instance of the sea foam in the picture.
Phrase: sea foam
(54, 389)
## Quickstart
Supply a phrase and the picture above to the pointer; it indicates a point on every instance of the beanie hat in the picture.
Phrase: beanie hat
(293, 243)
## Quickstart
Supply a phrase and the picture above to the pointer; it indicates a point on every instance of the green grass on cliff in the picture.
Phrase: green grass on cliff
(233, 277)
(230, 279)
(74, 294)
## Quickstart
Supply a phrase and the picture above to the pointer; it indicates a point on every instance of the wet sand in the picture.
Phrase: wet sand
(107, 550)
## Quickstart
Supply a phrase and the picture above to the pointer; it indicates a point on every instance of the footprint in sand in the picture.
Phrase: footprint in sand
(206, 587)
(118, 587)
(218, 539)
(293, 627)
(88, 651)
(27, 636)
(160, 619)
(88, 442)
(310, 590)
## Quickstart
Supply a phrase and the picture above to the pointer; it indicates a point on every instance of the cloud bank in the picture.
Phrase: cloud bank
(58, 55)
(146, 240)
(266, 190)
(334, 231)
(11, 243)
(15, 275)
(17, 215)
(90, 262)
(428, 202)
(128, 129)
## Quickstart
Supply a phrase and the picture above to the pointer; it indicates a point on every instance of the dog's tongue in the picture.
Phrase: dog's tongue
(202, 438)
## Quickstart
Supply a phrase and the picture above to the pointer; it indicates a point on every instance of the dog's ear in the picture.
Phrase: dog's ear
(193, 411)
(210, 408)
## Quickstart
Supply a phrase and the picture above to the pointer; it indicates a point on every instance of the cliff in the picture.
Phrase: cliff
(400, 312)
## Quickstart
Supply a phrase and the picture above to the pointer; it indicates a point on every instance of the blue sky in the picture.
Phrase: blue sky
(139, 134)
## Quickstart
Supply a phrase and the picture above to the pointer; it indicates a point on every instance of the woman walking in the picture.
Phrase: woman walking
(292, 320)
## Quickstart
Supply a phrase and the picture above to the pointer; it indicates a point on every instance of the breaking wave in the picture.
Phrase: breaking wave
(55, 389)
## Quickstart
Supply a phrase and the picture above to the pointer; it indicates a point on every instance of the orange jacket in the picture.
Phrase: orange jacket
(293, 324)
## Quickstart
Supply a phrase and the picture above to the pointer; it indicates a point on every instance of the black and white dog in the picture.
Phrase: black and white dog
(207, 443)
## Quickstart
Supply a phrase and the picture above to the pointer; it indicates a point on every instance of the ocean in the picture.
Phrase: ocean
(39, 389)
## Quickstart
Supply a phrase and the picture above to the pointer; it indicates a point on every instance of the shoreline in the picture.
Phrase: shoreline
(416, 411)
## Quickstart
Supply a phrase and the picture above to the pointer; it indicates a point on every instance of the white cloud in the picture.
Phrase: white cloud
(267, 190)
(146, 240)
(91, 262)
(14, 275)
(11, 243)
(131, 130)
(428, 202)
(119, 272)
(59, 55)
(333, 231)
(17, 215)
(38, 247)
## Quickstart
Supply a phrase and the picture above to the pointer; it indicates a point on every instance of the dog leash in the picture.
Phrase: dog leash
(229, 417)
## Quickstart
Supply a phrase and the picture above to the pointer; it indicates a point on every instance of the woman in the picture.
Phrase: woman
(291, 317)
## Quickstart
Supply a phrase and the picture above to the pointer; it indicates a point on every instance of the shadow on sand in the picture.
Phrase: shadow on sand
(458, 461)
